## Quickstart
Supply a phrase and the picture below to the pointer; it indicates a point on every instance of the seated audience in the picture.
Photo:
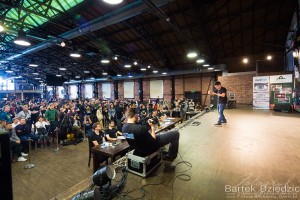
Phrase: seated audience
(97, 138)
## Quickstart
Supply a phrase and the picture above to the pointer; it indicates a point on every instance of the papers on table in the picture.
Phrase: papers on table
(121, 138)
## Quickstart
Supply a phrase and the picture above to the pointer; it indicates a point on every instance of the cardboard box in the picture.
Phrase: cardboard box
(143, 166)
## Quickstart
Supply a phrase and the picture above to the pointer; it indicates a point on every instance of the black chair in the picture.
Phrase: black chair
(90, 150)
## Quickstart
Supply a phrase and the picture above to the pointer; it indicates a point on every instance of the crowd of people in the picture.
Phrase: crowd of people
(101, 120)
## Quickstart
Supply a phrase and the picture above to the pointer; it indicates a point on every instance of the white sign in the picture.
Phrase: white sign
(261, 95)
(106, 93)
(286, 78)
(129, 90)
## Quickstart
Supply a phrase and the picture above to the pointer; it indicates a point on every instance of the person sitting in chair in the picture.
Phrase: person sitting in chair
(111, 133)
(97, 138)
(146, 143)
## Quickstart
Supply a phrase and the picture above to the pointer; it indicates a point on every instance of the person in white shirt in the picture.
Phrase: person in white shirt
(41, 130)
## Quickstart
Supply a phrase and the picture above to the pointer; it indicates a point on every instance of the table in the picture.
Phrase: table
(168, 124)
(110, 151)
(190, 114)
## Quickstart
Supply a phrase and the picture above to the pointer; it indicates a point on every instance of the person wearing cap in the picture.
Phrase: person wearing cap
(220, 92)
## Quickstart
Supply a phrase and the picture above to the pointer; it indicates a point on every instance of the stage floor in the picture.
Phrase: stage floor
(257, 149)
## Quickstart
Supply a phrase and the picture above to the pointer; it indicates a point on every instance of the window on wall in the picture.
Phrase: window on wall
(6, 84)
(106, 93)
(73, 91)
(156, 88)
(129, 90)
(60, 92)
(88, 91)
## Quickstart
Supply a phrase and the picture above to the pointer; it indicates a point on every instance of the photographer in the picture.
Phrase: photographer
(146, 142)
(87, 122)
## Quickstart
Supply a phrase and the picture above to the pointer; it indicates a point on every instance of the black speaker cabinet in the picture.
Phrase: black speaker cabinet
(5, 167)
(283, 107)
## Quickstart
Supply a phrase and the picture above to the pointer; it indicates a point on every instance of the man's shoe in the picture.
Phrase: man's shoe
(218, 124)
(21, 159)
(224, 122)
(24, 154)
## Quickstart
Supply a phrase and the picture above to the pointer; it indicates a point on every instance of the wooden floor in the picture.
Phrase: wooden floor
(256, 149)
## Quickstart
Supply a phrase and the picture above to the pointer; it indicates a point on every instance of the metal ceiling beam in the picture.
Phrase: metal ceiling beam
(114, 17)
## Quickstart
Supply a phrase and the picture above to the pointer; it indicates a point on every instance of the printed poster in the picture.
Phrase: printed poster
(261, 89)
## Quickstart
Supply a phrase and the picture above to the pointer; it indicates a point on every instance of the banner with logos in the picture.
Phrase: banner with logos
(261, 92)
(281, 89)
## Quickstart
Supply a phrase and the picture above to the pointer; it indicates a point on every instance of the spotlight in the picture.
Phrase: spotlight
(269, 57)
(245, 60)
(135, 63)
(104, 175)
(62, 44)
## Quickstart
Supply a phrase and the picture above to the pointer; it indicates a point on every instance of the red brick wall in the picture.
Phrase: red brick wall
(167, 89)
(241, 85)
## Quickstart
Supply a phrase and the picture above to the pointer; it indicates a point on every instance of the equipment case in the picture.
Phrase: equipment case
(143, 166)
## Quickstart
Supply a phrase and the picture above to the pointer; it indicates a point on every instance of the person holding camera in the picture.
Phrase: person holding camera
(147, 142)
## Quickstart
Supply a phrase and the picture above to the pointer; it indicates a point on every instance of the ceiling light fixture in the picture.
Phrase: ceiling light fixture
(127, 66)
(33, 65)
(245, 60)
(206, 65)
(104, 61)
(269, 57)
(164, 73)
(155, 71)
(75, 53)
(62, 44)
(135, 63)
(62, 69)
(77, 76)
(116, 58)
(200, 61)
(21, 39)
(192, 54)
(210, 68)
(143, 69)
(113, 1)
(86, 71)
(119, 75)
(129, 75)
(104, 73)
(9, 70)
(35, 73)
(58, 75)
(2, 27)
(149, 66)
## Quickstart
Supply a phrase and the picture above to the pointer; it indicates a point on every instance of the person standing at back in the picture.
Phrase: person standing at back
(222, 100)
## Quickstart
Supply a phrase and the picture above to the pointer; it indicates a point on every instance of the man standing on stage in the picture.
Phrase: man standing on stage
(222, 100)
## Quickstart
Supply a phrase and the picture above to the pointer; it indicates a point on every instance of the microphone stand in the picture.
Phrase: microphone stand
(56, 133)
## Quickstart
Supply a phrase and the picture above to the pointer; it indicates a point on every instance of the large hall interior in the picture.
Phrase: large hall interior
(149, 99)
